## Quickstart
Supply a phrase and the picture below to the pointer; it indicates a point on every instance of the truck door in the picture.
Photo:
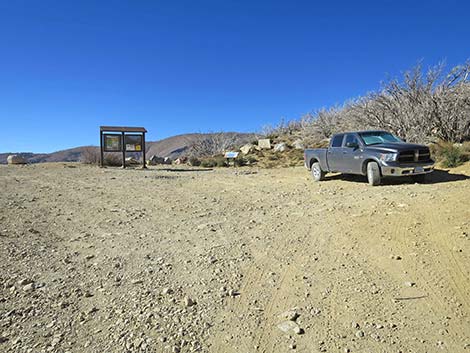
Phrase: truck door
(352, 155)
(335, 154)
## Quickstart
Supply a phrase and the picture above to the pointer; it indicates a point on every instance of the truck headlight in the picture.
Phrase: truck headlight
(388, 157)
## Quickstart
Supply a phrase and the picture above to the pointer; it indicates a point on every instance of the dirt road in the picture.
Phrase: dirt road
(231, 260)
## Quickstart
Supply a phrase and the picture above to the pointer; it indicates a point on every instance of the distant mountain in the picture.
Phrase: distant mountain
(172, 147)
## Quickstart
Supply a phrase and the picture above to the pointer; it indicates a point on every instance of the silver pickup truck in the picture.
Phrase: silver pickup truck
(376, 154)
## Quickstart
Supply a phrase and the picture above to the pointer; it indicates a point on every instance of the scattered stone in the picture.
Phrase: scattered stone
(290, 326)
(360, 334)
(167, 291)
(246, 149)
(355, 325)
(290, 315)
(280, 147)
(187, 301)
(233, 293)
(24, 281)
(29, 287)
(264, 144)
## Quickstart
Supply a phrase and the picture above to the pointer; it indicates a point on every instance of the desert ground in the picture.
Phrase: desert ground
(179, 259)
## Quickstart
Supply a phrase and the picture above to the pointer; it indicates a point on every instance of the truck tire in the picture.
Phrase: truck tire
(420, 178)
(317, 173)
(373, 173)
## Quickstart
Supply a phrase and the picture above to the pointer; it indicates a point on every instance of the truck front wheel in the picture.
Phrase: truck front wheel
(317, 173)
(373, 173)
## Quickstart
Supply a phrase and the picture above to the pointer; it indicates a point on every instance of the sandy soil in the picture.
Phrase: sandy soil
(231, 260)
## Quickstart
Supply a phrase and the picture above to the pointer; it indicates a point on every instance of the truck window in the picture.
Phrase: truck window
(337, 141)
(351, 139)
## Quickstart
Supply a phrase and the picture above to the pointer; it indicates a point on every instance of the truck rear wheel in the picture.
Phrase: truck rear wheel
(317, 173)
(373, 173)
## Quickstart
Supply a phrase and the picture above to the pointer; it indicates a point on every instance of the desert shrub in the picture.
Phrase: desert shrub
(451, 156)
(208, 163)
(194, 161)
(113, 159)
(221, 162)
(240, 161)
(251, 160)
(90, 155)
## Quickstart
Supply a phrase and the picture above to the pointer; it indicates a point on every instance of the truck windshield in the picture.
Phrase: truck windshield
(376, 137)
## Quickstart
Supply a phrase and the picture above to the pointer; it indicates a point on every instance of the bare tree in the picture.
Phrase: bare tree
(208, 145)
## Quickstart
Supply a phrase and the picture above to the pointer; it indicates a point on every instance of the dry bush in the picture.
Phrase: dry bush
(421, 107)
(209, 145)
(90, 155)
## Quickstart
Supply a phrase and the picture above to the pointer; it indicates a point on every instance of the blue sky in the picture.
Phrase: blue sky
(67, 67)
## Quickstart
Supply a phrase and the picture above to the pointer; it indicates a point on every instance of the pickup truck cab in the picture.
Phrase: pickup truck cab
(376, 154)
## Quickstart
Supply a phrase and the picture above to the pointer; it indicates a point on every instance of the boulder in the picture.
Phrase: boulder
(16, 159)
(181, 160)
(246, 149)
(264, 144)
(132, 160)
(154, 160)
(280, 147)
(298, 145)
(167, 160)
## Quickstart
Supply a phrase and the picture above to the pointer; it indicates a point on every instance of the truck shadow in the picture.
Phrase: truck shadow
(436, 177)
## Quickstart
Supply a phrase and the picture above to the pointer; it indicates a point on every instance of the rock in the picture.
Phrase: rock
(154, 160)
(354, 324)
(410, 284)
(280, 147)
(360, 334)
(167, 160)
(298, 145)
(187, 301)
(290, 315)
(181, 160)
(24, 281)
(246, 149)
(16, 159)
(3, 339)
(29, 287)
(137, 281)
(132, 160)
(167, 291)
(233, 293)
(264, 144)
(290, 326)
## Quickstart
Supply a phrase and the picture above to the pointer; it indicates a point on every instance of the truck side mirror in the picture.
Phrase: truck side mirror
(352, 145)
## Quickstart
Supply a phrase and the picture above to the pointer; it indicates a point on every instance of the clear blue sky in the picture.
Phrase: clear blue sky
(67, 67)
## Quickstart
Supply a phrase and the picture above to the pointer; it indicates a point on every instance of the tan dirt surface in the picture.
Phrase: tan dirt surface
(231, 260)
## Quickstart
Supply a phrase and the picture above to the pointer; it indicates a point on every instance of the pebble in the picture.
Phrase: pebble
(29, 287)
(167, 291)
(187, 301)
(360, 334)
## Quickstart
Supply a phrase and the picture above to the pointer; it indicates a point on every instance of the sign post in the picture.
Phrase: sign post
(122, 139)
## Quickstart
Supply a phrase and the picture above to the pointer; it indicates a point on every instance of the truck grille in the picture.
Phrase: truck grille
(418, 155)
